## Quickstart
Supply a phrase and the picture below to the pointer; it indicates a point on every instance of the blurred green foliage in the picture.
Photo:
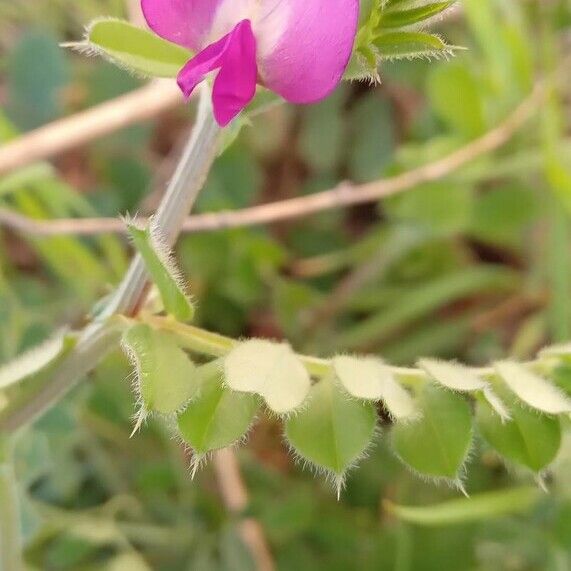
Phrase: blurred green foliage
(475, 266)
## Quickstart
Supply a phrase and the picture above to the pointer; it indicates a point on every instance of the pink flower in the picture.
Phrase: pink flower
(297, 48)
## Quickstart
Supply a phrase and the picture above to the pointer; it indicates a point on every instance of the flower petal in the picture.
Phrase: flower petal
(235, 85)
(313, 50)
(184, 22)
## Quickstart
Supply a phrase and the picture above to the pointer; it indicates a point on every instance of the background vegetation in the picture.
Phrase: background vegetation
(475, 266)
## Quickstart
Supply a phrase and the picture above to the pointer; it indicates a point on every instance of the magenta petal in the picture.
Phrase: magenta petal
(235, 85)
(313, 51)
(184, 22)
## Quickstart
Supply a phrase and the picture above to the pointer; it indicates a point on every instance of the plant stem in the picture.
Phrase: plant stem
(10, 542)
(204, 342)
(182, 192)
(99, 338)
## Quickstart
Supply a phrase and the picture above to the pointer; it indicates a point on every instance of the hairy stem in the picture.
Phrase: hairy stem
(10, 542)
(183, 190)
(205, 342)
(99, 338)
(211, 344)
(95, 343)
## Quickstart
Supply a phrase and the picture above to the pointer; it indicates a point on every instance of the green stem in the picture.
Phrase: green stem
(211, 344)
(10, 541)
(182, 192)
(204, 342)
(98, 339)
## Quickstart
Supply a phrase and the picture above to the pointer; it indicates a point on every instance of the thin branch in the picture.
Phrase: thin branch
(74, 131)
(344, 195)
(182, 192)
(235, 497)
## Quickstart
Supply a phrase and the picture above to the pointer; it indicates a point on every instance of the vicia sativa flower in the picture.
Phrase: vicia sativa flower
(297, 48)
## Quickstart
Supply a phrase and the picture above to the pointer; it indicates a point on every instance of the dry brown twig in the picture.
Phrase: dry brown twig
(235, 497)
(344, 195)
(71, 132)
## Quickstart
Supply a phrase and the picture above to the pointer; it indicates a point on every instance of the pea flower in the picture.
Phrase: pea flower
(297, 48)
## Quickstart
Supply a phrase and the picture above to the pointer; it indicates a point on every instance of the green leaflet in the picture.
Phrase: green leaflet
(166, 377)
(403, 45)
(332, 430)
(395, 18)
(452, 375)
(460, 378)
(369, 378)
(35, 360)
(269, 369)
(134, 48)
(218, 416)
(533, 389)
(530, 438)
(463, 510)
(163, 272)
(438, 442)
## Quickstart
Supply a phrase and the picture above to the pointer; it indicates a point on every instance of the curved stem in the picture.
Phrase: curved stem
(10, 541)
(99, 338)
(181, 194)
(205, 342)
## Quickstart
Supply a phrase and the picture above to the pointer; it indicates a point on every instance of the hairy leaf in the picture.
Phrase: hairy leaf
(438, 442)
(163, 272)
(396, 18)
(452, 375)
(166, 377)
(497, 404)
(530, 438)
(369, 378)
(269, 369)
(461, 378)
(559, 350)
(134, 48)
(463, 510)
(532, 389)
(333, 430)
(34, 361)
(407, 45)
(218, 416)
